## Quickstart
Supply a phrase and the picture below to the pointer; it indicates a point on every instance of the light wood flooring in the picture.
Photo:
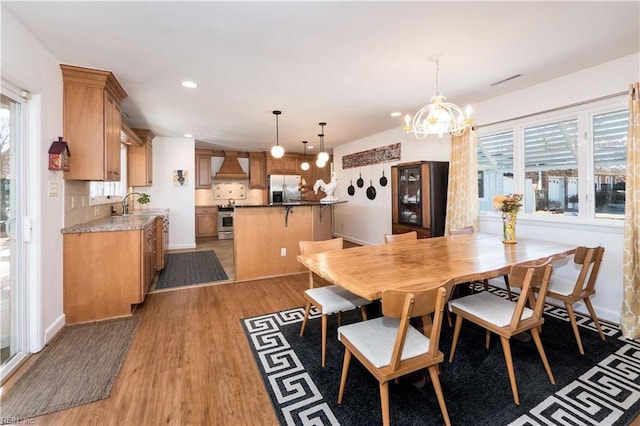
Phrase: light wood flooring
(190, 362)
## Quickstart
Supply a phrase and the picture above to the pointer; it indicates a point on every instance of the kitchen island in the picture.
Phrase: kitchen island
(266, 236)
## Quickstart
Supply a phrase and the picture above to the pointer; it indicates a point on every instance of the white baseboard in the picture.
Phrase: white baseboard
(54, 328)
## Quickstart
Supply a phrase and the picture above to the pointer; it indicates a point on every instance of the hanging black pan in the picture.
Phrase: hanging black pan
(383, 180)
(360, 181)
(351, 189)
(371, 191)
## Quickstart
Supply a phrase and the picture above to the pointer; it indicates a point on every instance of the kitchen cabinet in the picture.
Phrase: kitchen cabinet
(288, 164)
(257, 170)
(419, 197)
(311, 176)
(162, 244)
(92, 122)
(140, 159)
(105, 273)
(206, 221)
(203, 168)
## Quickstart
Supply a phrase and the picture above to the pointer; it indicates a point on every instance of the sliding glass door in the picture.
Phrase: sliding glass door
(13, 315)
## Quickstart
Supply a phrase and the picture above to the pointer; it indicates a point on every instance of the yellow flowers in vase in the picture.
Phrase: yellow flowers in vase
(509, 205)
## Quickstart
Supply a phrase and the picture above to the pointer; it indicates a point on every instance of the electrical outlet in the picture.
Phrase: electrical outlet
(283, 251)
(96, 211)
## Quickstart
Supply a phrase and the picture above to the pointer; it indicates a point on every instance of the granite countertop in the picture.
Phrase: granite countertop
(131, 222)
(298, 203)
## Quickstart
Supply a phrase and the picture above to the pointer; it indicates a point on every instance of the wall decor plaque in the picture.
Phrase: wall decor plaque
(379, 155)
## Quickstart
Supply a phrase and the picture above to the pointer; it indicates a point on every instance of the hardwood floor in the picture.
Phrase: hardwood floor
(190, 362)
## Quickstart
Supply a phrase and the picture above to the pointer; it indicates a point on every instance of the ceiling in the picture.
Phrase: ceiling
(349, 64)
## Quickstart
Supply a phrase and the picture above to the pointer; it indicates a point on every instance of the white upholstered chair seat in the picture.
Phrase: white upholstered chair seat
(334, 299)
(493, 309)
(562, 285)
(375, 339)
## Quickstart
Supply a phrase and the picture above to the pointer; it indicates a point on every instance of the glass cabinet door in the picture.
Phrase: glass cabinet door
(410, 206)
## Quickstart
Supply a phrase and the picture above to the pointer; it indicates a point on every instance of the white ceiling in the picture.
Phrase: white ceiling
(349, 64)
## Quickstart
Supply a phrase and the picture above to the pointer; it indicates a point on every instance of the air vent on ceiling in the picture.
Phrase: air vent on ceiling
(506, 79)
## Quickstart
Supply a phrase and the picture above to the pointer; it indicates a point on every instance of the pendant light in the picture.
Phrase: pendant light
(323, 156)
(305, 164)
(439, 116)
(320, 160)
(277, 151)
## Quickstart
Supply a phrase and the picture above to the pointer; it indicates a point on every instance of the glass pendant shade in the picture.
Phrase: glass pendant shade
(277, 151)
(305, 164)
(323, 156)
(320, 163)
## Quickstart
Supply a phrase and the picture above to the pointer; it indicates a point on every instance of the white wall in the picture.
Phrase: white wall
(26, 64)
(171, 154)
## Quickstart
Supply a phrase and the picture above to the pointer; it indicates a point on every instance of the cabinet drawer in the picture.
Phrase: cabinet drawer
(206, 210)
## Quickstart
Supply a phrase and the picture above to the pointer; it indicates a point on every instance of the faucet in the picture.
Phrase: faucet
(125, 206)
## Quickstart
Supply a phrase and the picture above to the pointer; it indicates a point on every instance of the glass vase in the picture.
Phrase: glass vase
(509, 228)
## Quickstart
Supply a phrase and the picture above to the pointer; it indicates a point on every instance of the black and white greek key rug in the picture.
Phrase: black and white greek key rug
(601, 387)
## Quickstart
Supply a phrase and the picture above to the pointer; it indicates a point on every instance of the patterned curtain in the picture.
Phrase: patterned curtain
(462, 194)
(630, 312)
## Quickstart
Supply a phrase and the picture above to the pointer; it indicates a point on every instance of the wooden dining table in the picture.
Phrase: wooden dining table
(369, 270)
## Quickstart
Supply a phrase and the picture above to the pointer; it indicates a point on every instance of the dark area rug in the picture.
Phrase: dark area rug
(193, 267)
(601, 387)
(79, 366)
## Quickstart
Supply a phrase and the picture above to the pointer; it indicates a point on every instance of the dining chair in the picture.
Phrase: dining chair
(470, 230)
(394, 238)
(390, 347)
(330, 299)
(571, 290)
(507, 318)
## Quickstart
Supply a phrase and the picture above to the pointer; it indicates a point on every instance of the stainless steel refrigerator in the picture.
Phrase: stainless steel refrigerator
(284, 189)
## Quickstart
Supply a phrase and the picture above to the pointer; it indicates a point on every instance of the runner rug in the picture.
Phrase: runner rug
(601, 387)
(193, 267)
(79, 366)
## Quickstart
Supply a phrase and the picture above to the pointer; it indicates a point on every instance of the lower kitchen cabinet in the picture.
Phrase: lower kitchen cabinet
(206, 221)
(106, 273)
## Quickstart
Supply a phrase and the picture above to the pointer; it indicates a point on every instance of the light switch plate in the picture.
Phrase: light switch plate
(53, 189)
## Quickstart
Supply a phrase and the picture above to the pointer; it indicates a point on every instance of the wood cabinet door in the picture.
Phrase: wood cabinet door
(203, 171)
(206, 222)
(257, 170)
(112, 128)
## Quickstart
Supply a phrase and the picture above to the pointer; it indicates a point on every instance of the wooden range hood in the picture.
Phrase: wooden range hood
(231, 168)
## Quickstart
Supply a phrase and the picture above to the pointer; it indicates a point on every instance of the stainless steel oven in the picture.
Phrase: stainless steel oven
(225, 223)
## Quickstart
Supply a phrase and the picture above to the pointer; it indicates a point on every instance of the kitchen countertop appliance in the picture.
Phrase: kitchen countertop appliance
(285, 189)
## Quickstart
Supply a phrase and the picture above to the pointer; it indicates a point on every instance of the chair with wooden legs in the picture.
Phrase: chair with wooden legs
(507, 318)
(394, 238)
(329, 299)
(470, 230)
(573, 290)
(389, 347)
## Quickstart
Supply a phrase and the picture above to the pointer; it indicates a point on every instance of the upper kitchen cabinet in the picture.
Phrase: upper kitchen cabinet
(203, 168)
(257, 170)
(140, 159)
(283, 166)
(92, 123)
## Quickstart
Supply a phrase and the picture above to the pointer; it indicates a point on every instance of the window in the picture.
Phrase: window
(610, 131)
(108, 192)
(495, 165)
(571, 162)
(551, 166)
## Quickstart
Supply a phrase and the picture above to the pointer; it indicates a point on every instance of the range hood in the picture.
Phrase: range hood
(231, 168)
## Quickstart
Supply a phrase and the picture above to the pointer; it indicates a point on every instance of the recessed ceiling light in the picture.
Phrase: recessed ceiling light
(188, 135)
(396, 114)
(310, 147)
(189, 84)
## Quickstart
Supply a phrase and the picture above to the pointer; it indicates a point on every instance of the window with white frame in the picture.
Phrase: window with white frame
(570, 163)
(109, 192)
